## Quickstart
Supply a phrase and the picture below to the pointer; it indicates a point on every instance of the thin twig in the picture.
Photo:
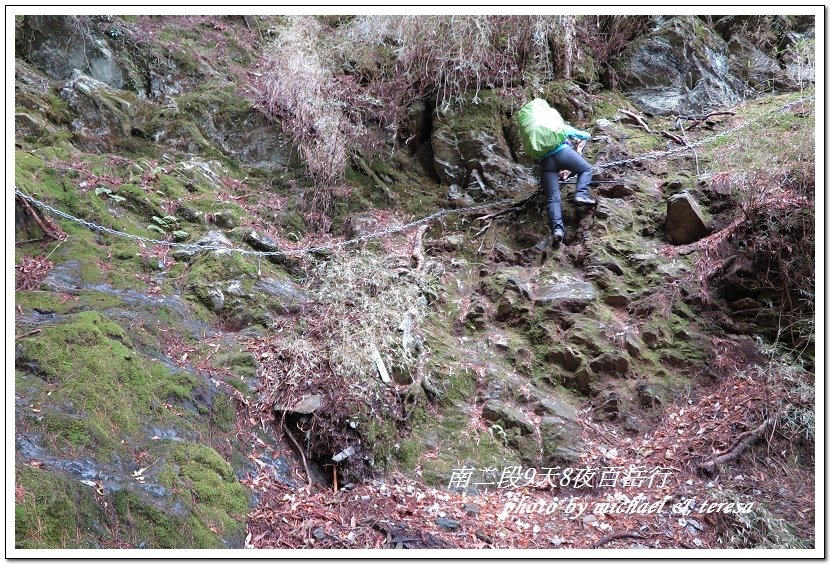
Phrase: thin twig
(34, 332)
(707, 116)
(513, 208)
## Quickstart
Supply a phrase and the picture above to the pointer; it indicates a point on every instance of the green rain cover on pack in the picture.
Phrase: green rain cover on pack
(541, 127)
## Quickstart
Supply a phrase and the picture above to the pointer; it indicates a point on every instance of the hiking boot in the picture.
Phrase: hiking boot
(585, 200)
(558, 235)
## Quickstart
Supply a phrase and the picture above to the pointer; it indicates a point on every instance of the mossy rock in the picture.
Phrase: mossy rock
(54, 511)
(241, 363)
(212, 504)
(101, 389)
(488, 450)
(43, 302)
(241, 292)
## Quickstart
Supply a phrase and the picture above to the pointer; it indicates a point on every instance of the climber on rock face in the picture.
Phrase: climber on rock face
(546, 138)
(558, 165)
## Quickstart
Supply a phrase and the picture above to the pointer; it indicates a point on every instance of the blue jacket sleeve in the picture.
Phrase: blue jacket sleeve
(573, 132)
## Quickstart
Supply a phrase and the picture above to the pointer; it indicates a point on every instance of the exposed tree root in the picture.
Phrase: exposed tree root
(710, 465)
(299, 449)
(515, 207)
(48, 226)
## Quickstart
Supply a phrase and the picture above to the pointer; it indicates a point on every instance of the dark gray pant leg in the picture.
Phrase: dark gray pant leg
(550, 183)
(568, 159)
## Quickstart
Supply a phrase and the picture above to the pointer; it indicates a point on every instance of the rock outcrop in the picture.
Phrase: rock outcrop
(681, 67)
(684, 220)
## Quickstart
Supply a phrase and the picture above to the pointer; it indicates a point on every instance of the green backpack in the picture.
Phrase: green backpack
(541, 127)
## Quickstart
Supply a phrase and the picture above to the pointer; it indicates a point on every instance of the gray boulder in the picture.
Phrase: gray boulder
(610, 363)
(211, 239)
(470, 150)
(556, 408)
(684, 220)
(562, 292)
(104, 115)
(681, 67)
(58, 45)
(752, 65)
(260, 241)
(282, 293)
(507, 417)
(560, 441)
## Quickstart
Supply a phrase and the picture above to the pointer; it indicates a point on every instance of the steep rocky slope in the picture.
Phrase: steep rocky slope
(163, 394)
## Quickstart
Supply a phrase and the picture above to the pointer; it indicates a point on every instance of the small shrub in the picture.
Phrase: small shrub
(298, 88)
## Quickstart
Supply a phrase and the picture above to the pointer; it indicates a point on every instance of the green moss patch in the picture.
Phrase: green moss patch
(213, 504)
(102, 387)
(50, 302)
(53, 511)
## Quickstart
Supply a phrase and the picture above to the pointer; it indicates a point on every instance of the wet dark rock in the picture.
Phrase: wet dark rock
(608, 407)
(656, 336)
(189, 214)
(631, 423)
(647, 396)
(225, 219)
(507, 417)
(261, 242)
(449, 524)
(565, 356)
(472, 509)
(616, 297)
(684, 220)
(584, 380)
(745, 303)
(475, 316)
(560, 443)
(616, 363)
(616, 190)
(655, 71)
